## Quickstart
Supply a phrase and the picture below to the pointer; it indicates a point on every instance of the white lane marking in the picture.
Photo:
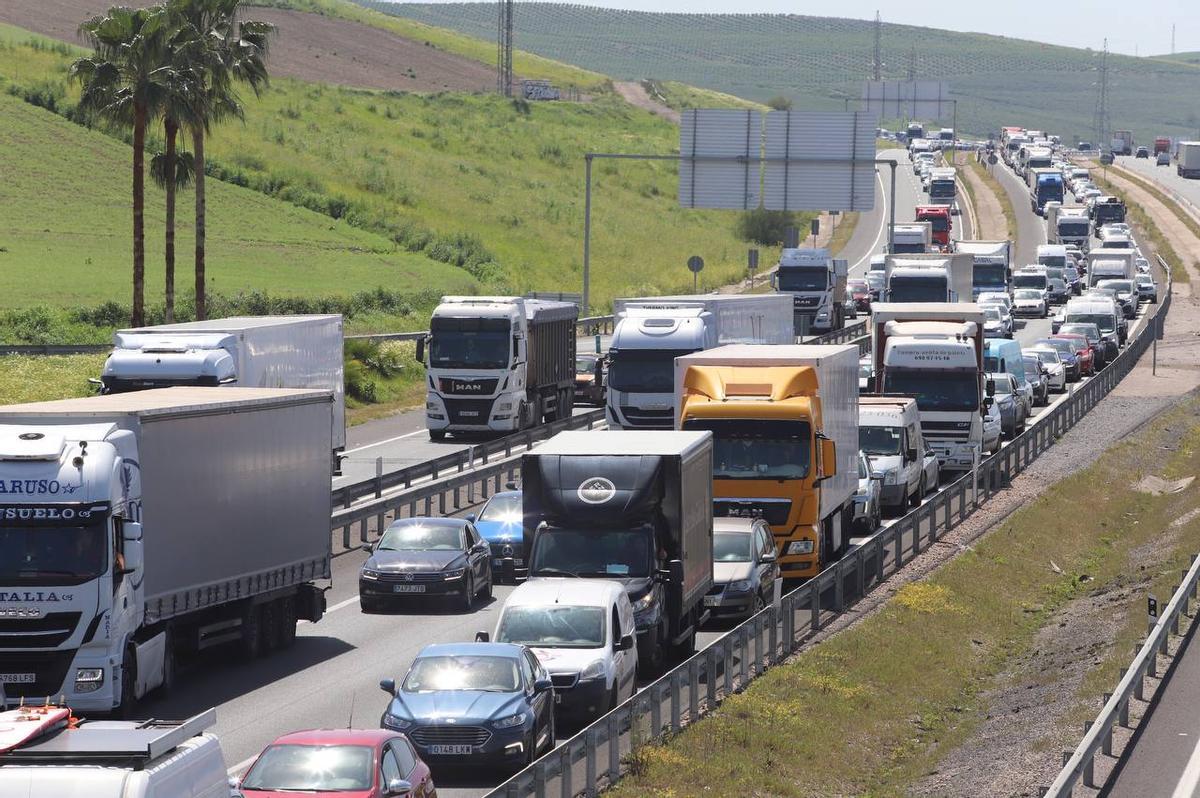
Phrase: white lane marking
(386, 440)
(237, 769)
(882, 225)
(1190, 779)
(336, 607)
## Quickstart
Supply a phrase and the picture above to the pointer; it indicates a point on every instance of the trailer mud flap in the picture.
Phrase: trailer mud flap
(310, 603)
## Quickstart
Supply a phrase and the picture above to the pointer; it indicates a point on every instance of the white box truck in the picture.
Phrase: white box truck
(928, 278)
(241, 351)
(145, 525)
(1187, 159)
(991, 267)
(784, 421)
(651, 332)
(1112, 264)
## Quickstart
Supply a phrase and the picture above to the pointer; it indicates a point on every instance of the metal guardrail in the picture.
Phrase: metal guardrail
(1099, 736)
(848, 334)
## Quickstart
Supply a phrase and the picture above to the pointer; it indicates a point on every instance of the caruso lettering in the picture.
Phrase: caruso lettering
(35, 486)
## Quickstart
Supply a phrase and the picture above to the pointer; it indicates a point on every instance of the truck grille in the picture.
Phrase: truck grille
(650, 419)
(946, 430)
(426, 736)
(48, 632)
(774, 511)
(469, 387)
(806, 301)
(49, 669)
(468, 411)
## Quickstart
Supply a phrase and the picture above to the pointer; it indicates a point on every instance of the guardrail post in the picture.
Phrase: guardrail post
(1138, 691)
(860, 574)
(727, 655)
(694, 690)
(788, 606)
(1088, 780)
(539, 778)
(899, 539)
(512, 790)
(564, 771)
(346, 537)
(879, 547)
(590, 746)
(773, 634)
(614, 748)
(1108, 732)
(378, 477)
(758, 645)
(839, 582)
(676, 700)
(814, 603)
(710, 677)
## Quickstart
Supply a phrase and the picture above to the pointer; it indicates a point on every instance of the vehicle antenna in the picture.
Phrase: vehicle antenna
(350, 723)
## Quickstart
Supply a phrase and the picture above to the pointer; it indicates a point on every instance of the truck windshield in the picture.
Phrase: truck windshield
(1029, 281)
(989, 274)
(880, 440)
(558, 626)
(934, 390)
(643, 370)
(1073, 229)
(803, 279)
(941, 188)
(901, 247)
(758, 448)
(606, 553)
(1109, 213)
(939, 224)
(917, 289)
(469, 343)
(49, 555)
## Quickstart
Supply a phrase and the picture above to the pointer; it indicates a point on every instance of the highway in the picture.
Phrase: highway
(1165, 176)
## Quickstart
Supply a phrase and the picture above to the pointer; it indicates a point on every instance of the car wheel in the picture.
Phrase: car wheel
(468, 595)
(759, 605)
(437, 434)
(487, 589)
(915, 501)
(368, 604)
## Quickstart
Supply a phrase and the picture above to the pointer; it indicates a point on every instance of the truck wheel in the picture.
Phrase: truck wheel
(251, 642)
(269, 626)
(915, 499)
(287, 630)
(125, 709)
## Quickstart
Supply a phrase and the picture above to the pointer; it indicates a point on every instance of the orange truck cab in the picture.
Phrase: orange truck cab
(940, 221)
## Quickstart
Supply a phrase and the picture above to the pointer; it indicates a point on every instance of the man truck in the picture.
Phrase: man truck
(943, 185)
(816, 282)
(1068, 226)
(635, 507)
(498, 364)
(142, 526)
(934, 353)
(653, 331)
(928, 278)
(940, 224)
(784, 421)
(991, 265)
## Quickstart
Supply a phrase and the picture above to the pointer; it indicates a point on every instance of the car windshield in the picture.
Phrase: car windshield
(1090, 331)
(758, 449)
(555, 626)
(505, 508)
(1028, 281)
(644, 370)
(1048, 355)
(469, 343)
(462, 672)
(731, 547)
(1031, 368)
(1120, 286)
(793, 278)
(857, 285)
(610, 553)
(934, 390)
(1105, 322)
(1028, 293)
(1060, 345)
(312, 768)
(880, 440)
(585, 365)
(991, 314)
(864, 370)
(421, 537)
(31, 555)
(1003, 383)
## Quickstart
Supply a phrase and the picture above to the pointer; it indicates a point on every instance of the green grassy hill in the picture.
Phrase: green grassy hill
(819, 61)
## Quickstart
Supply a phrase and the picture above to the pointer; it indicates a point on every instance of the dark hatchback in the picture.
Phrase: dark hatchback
(418, 557)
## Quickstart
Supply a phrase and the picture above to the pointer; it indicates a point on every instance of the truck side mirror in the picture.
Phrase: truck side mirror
(421, 349)
(911, 453)
(988, 401)
(626, 643)
(989, 387)
(131, 547)
(828, 458)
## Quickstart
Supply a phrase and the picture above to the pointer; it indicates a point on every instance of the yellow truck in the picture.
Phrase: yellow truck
(784, 420)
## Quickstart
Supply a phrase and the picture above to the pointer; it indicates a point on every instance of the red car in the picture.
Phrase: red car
(353, 763)
(1083, 351)
(860, 294)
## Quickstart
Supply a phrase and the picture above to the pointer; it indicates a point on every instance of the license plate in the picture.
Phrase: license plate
(18, 678)
(408, 588)
(451, 750)
(469, 413)
(712, 601)
(497, 561)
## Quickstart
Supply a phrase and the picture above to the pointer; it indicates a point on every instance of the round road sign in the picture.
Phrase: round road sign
(695, 264)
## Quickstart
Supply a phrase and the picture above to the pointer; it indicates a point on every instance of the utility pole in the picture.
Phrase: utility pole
(1101, 121)
(878, 62)
(504, 37)
(912, 64)
(1172, 38)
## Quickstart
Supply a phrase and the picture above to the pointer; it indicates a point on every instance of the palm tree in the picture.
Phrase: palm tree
(234, 51)
(123, 82)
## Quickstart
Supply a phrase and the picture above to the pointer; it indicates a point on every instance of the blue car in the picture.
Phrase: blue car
(499, 524)
(487, 704)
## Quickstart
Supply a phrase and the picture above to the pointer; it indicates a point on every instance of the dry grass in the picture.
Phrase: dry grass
(843, 232)
(1006, 206)
(36, 379)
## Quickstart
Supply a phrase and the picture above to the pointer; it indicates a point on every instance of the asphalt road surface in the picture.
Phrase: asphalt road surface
(1165, 175)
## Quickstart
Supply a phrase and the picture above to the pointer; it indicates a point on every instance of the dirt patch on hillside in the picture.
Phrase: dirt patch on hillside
(308, 47)
(636, 95)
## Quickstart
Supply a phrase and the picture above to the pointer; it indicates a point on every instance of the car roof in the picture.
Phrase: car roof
(506, 494)
(370, 737)
(509, 650)
(744, 525)
(564, 590)
(422, 521)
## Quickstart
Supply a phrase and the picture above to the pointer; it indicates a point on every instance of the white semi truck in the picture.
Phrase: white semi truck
(943, 185)
(933, 352)
(140, 526)
(652, 331)
(1068, 226)
(912, 239)
(1187, 159)
(991, 265)
(816, 283)
(498, 364)
(240, 351)
(928, 278)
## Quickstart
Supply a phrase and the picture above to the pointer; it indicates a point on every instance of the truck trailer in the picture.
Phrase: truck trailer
(240, 351)
(635, 507)
(498, 364)
(1122, 142)
(991, 265)
(144, 526)
(928, 278)
(784, 421)
(1187, 159)
(651, 332)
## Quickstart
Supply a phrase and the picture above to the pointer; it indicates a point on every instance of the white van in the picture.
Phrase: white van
(889, 432)
(119, 759)
(582, 631)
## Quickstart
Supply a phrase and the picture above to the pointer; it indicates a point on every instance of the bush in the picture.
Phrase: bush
(764, 227)
(780, 103)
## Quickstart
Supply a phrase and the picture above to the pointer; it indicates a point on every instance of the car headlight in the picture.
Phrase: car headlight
(367, 573)
(740, 586)
(594, 670)
(800, 547)
(395, 722)
(88, 679)
(509, 722)
(644, 602)
(454, 573)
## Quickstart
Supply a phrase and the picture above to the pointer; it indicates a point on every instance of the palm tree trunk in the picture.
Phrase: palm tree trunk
(198, 155)
(171, 129)
(139, 222)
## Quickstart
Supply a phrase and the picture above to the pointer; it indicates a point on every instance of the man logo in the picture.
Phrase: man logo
(596, 490)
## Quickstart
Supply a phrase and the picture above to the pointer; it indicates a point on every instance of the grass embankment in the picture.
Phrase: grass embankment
(37, 379)
(489, 187)
(847, 222)
(993, 185)
(681, 96)
(873, 709)
(1136, 215)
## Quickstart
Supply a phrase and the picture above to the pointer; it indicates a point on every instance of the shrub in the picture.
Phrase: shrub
(780, 103)
(764, 227)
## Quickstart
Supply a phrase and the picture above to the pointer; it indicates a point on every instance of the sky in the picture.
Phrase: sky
(1132, 28)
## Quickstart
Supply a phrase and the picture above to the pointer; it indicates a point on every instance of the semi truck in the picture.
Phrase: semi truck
(991, 265)
(933, 352)
(1162, 144)
(912, 239)
(928, 278)
(240, 351)
(653, 331)
(1105, 210)
(940, 224)
(943, 185)
(1187, 159)
(1045, 185)
(498, 364)
(784, 421)
(144, 526)
(635, 507)
(1068, 226)
(816, 282)
(1122, 142)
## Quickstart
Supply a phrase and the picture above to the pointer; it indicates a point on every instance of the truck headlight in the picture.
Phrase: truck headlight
(644, 602)
(891, 476)
(395, 722)
(800, 547)
(431, 405)
(510, 722)
(594, 670)
(88, 679)
(502, 406)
